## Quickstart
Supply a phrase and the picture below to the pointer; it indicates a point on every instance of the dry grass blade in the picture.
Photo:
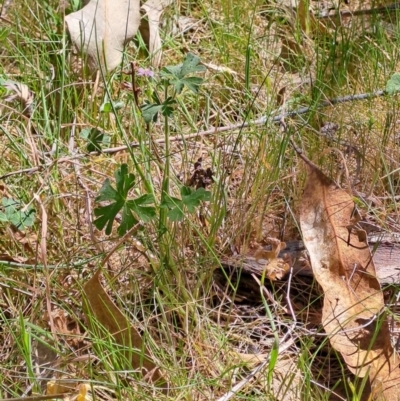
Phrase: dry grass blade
(353, 311)
(239, 386)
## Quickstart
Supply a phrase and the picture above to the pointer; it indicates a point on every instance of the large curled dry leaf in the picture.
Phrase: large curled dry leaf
(101, 311)
(102, 28)
(149, 28)
(354, 312)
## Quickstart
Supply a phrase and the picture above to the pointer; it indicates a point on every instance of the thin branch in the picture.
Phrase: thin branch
(369, 11)
(136, 91)
(213, 131)
(43, 397)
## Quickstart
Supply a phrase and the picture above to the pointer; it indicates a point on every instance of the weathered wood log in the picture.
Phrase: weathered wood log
(386, 256)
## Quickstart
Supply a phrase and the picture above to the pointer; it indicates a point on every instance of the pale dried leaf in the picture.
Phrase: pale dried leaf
(65, 326)
(29, 243)
(65, 386)
(287, 380)
(353, 312)
(186, 23)
(83, 394)
(276, 267)
(4, 257)
(102, 28)
(251, 359)
(290, 51)
(21, 93)
(59, 386)
(153, 10)
(219, 68)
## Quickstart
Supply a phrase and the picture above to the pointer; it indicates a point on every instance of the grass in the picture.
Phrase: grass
(162, 277)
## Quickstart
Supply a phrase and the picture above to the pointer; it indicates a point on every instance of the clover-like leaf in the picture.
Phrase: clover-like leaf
(191, 64)
(95, 138)
(108, 106)
(131, 210)
(191, 199)
(177, 75)
(176, 212)
(17, 214)
(138, 206)
(150, 110)
(192, 83)
(393, 84)
(167, 106)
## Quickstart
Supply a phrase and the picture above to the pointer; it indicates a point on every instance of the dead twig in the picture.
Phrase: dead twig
(369, 11)
(43, 397)
(213, 131)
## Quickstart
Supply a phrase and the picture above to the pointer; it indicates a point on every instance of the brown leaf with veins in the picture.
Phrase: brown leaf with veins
(100, 307)
(276, 267)
(354, 312)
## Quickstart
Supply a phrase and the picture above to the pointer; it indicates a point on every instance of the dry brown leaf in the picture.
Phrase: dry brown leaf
(21, 93)
(28, 242)
(64, 325)
(353, 312)
(60, 386)
(99, 305)
(286, 382)
(290, 50)
(102, 28)
(68, 390)
(276, 267)
(150, 27)
(296, 47)
(4, 257)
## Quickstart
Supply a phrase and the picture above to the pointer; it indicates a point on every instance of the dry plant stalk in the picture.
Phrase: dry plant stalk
(353, 312)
